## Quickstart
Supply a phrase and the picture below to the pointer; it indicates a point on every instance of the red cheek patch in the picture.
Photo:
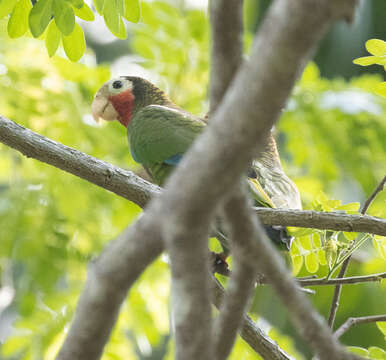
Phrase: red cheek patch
(123, 104)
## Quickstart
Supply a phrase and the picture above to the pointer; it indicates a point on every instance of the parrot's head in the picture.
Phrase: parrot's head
(114, 101)
(119, 98)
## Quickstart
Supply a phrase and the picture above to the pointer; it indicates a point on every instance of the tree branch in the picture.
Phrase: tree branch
(378, 189)
(357, 321)
(290, 31)
(253, 335)
(240, 286)
(343, 269)
(343, 281)
(131, 187)
(323, 220)
(109, 277)
(226, 19)
(121, 182)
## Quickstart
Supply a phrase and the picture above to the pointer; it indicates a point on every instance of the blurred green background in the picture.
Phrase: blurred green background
(332, 140)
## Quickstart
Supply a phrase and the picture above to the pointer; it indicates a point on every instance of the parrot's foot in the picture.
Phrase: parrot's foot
(219, 263)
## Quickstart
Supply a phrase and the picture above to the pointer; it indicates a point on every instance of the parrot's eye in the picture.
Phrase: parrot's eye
(117, 84)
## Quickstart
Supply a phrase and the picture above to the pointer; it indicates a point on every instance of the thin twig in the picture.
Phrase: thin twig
(368, 202)
(343, 269)
(357, 321)
(343, 281)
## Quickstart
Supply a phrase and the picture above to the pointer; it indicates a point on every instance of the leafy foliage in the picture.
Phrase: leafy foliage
(331, 139)
(377, 48)
(41, 17)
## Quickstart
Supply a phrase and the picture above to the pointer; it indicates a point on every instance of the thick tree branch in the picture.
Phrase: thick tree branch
(241, 283)
(253, 335)
(323, 220)
(357, 321)
(108, 280)
(290, 30)
(131, 187)
(226, 19)
(121, 182)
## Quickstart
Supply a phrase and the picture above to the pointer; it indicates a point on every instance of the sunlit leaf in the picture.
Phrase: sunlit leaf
(382, 326)
(40, 16)
(297, 263)
(381, 89)
(113, 19)
(6, 7)
(376, 47)
(85, 13)
(350, 235)
(354, 206)
(18, 22)
(78, 4)
(132, 10)
(357, 350)
(64, 16)
(312, 262)
(111, 16)
(377, 353)
(322, 257)
(99, 6)
(52, 38)
(74, 44)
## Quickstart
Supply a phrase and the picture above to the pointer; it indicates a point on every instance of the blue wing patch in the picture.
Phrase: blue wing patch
(134, 156)
(174, 160)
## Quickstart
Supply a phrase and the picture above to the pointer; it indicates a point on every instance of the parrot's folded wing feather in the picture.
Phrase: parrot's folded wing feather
(159, 134)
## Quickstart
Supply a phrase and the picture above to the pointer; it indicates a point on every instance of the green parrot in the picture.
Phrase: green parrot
(159, 133)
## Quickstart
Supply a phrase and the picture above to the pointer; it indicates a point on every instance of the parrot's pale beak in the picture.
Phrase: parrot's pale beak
(101, 108)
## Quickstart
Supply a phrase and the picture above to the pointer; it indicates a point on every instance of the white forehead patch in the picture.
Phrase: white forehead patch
(118, 85)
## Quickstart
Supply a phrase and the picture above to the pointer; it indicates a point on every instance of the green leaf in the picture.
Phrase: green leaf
(365, 60)
(322, 257)
(354, 206)
(85, 13)
(6, 7)
(78, 4)
(18, 22)
(357, 350)
(311, 262)
(120, 6)
(74, 44)
(377, 353)
(99, 6)
(297, 263)
(381, 89)
(40, 16)
(382, 326)
(132, 10)
(113, 20)
(52, 38)
(376, 47)
(64, 16)
(111, 16)
(350, 235)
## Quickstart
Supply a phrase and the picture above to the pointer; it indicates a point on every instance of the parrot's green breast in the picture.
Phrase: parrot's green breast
(159, 136)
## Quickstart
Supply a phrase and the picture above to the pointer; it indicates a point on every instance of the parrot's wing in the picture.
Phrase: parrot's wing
(272, 188)
(160, 134)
